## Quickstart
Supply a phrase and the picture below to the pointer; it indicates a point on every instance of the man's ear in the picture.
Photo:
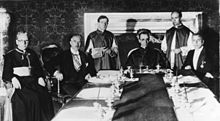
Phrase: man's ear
(203, 41)
(16, 42)
(70, 42)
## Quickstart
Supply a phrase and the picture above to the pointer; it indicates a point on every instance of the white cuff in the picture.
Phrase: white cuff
(56, 72)
(184, 50)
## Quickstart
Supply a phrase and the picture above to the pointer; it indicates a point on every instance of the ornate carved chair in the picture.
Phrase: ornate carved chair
(49, 55)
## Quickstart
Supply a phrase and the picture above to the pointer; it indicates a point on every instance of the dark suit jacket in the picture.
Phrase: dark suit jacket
(204, 65)
(66, 67)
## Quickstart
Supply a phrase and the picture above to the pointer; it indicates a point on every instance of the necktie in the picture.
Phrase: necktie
(76, 62)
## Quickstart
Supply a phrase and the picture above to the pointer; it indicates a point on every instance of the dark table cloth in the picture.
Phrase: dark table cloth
(146, 100)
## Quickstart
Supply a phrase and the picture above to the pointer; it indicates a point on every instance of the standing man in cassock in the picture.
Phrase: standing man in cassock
(177, 41)
(22, 68)
(101, 44)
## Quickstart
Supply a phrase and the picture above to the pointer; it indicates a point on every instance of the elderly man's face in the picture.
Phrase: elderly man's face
(197, 41)
(22, 41)
(75, 42)
(143, 40)
(176, 19)
(102, 24)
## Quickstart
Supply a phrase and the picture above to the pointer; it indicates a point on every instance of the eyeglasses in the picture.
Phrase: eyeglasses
(23, 41)
(147, 39)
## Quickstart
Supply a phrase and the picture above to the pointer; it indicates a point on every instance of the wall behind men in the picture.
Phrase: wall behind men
(50, 21)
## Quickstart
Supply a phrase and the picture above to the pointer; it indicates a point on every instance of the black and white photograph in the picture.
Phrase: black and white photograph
(109, 60)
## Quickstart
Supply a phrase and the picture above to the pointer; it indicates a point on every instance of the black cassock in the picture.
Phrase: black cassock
(146, 57)
(32, 102)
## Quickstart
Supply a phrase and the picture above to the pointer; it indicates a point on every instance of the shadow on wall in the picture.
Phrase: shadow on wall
(211, 38)
(127, 41)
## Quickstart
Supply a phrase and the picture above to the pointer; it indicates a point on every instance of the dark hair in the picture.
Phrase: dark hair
(131, 20)
(198, 34)
(143, 31)
(177, 11)
(102, 17)
(75, 35)
(21, 32)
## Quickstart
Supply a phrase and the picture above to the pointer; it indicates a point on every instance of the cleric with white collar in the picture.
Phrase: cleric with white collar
(22, 69)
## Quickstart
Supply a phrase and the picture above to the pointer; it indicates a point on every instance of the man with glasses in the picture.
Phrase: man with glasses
(22, 69)
(145, 55)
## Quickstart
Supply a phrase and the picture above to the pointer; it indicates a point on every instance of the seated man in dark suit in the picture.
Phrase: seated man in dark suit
(74, 66)
(200, 61)
(146, 55)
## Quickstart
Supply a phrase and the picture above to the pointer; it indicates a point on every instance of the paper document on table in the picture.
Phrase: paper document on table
(106, 73)
(194, 93)
(85, 114)
(132, 79)
(99, 80)
(80, 114)
(95, 93)
(188, 79)
(203, 106)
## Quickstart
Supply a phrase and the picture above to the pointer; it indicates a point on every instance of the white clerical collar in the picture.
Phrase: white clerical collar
(20, 51)
(74, 51)
(199, 50)
(100, 30)
(178, 25)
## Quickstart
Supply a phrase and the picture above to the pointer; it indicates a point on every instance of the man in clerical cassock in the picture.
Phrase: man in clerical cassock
(177, 41)
(145, 55)
(200, 62)
(22, 68)
(101, 44)
(74, 67)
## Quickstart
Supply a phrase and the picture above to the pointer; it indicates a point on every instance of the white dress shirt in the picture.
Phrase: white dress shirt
(196, 57)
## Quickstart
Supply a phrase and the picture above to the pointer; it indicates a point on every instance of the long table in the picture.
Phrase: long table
(193, 101)
(90, 102)
(146, 96)
(149, 99)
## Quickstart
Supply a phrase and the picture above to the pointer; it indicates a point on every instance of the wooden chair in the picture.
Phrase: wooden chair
(49, 55)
